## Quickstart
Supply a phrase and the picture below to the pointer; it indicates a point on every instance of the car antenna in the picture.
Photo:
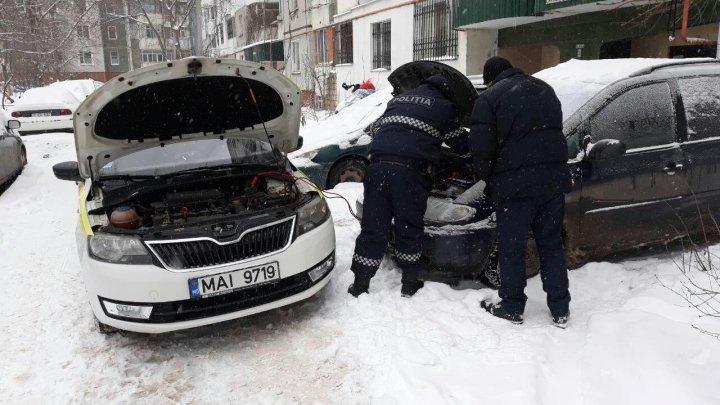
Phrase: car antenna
(262, 120)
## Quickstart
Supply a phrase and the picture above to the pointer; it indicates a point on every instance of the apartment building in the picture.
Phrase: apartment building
(536, 34)
(116, 36)
(243, 29)
(331, 42)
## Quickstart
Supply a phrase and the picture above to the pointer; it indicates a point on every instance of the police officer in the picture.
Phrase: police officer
(406, 139)
(518, 147)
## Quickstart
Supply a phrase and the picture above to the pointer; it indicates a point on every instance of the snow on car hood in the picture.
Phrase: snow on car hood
(346, 125)
(188, 99)
(576, 81)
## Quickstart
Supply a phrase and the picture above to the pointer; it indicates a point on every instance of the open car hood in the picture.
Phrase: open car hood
(189, 99)
(410, 75)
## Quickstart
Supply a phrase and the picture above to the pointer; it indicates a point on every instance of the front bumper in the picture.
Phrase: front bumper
(168, 291)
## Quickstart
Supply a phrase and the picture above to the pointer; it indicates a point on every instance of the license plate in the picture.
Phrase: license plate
(223, 283)
(44, 114)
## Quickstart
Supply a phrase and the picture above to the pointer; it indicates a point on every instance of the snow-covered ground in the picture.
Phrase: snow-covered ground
(630, 340)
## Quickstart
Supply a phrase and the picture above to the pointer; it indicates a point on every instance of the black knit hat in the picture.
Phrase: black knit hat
(493, 67)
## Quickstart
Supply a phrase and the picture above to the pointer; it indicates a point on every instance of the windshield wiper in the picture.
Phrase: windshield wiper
(127, 177)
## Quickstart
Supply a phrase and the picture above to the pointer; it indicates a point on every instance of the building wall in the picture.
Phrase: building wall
(657, 46)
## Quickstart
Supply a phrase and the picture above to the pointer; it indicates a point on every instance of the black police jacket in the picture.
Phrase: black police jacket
(516, 138)
(416, 123)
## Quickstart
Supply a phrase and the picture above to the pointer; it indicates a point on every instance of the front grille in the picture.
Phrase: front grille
(197, 308)
(205, 252)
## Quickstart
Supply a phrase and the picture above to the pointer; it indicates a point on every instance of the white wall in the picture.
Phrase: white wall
(401, 42)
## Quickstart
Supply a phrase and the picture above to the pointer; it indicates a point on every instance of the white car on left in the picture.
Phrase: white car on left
(50, 108)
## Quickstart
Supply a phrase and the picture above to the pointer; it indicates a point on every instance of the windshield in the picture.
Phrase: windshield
(161, 160)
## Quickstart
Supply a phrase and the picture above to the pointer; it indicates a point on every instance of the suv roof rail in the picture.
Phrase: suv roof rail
(680, 62)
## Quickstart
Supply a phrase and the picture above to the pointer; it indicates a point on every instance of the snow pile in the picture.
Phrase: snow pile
(577, 81)
(69, 93)
(344, 126)
(630, 340)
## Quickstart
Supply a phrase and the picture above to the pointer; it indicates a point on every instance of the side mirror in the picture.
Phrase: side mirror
(13, 124)
(67, 171)
(300, 142)
(606, 149)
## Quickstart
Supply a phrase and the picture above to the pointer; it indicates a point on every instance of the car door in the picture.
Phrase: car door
(631, 200)
(701, 122)
(6, 157)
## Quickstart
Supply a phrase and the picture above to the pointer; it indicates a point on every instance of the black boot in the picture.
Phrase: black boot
(409, 289)
(497, 310)
(359, 287)
(561, 321)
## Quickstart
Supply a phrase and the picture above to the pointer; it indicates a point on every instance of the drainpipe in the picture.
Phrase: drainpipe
(684, 29)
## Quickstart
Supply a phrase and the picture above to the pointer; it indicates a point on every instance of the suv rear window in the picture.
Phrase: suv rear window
(701, 97)
(640, 117)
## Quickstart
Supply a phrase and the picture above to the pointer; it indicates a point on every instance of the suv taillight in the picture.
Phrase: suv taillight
(16, 114)
(65, 112)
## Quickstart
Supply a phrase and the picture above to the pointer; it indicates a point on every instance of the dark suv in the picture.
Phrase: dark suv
(648, 152)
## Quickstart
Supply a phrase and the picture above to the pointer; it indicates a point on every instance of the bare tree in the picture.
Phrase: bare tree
(163, 23)
(37, 39)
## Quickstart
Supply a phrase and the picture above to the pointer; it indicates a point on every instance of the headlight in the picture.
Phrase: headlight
(312, 214)
(118, 249)
(308, 155)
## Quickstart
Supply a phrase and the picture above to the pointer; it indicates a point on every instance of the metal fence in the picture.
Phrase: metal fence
(381, 45)
(434, 36)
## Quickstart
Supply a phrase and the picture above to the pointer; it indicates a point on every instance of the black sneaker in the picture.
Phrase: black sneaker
(498, 311)
(356, 289)
(409, 289)
(561, 321)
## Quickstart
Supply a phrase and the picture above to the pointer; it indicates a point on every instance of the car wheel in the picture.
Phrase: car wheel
(349, 170)
(104, 329)
(490, 273)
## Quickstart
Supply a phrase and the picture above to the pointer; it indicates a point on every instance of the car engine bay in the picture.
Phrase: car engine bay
(200, 201)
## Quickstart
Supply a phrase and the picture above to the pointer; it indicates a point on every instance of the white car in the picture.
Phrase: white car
(190, 214)
(51, 108)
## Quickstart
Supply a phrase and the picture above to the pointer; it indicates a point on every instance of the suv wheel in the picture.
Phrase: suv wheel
(349, 170)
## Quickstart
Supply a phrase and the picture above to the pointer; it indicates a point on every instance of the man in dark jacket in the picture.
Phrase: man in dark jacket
(518, 147)
(406, 139)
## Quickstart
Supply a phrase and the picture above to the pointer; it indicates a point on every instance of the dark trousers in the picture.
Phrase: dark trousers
(391, 192)
(544, 216)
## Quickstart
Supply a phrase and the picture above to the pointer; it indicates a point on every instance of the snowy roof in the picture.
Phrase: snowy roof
(71, 92)
(577, 81)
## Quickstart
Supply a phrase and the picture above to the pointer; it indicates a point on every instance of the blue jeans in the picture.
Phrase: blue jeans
(544, 216)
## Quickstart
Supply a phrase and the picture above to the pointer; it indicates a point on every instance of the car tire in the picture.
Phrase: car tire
(490, 273)
(348, 170)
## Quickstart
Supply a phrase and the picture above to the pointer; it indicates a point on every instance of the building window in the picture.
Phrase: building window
(295, 57)
(80, 5)
(83, 31)
(111, 32)
(221, 34)
(110, 7)
(149, 6)
(381, 45)
(434, 37)
(320, 46)
(293, 5)
(150, 33)
(152, 57)
(230, 27)
(344, 43)
(114, 58)
(85, 58)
